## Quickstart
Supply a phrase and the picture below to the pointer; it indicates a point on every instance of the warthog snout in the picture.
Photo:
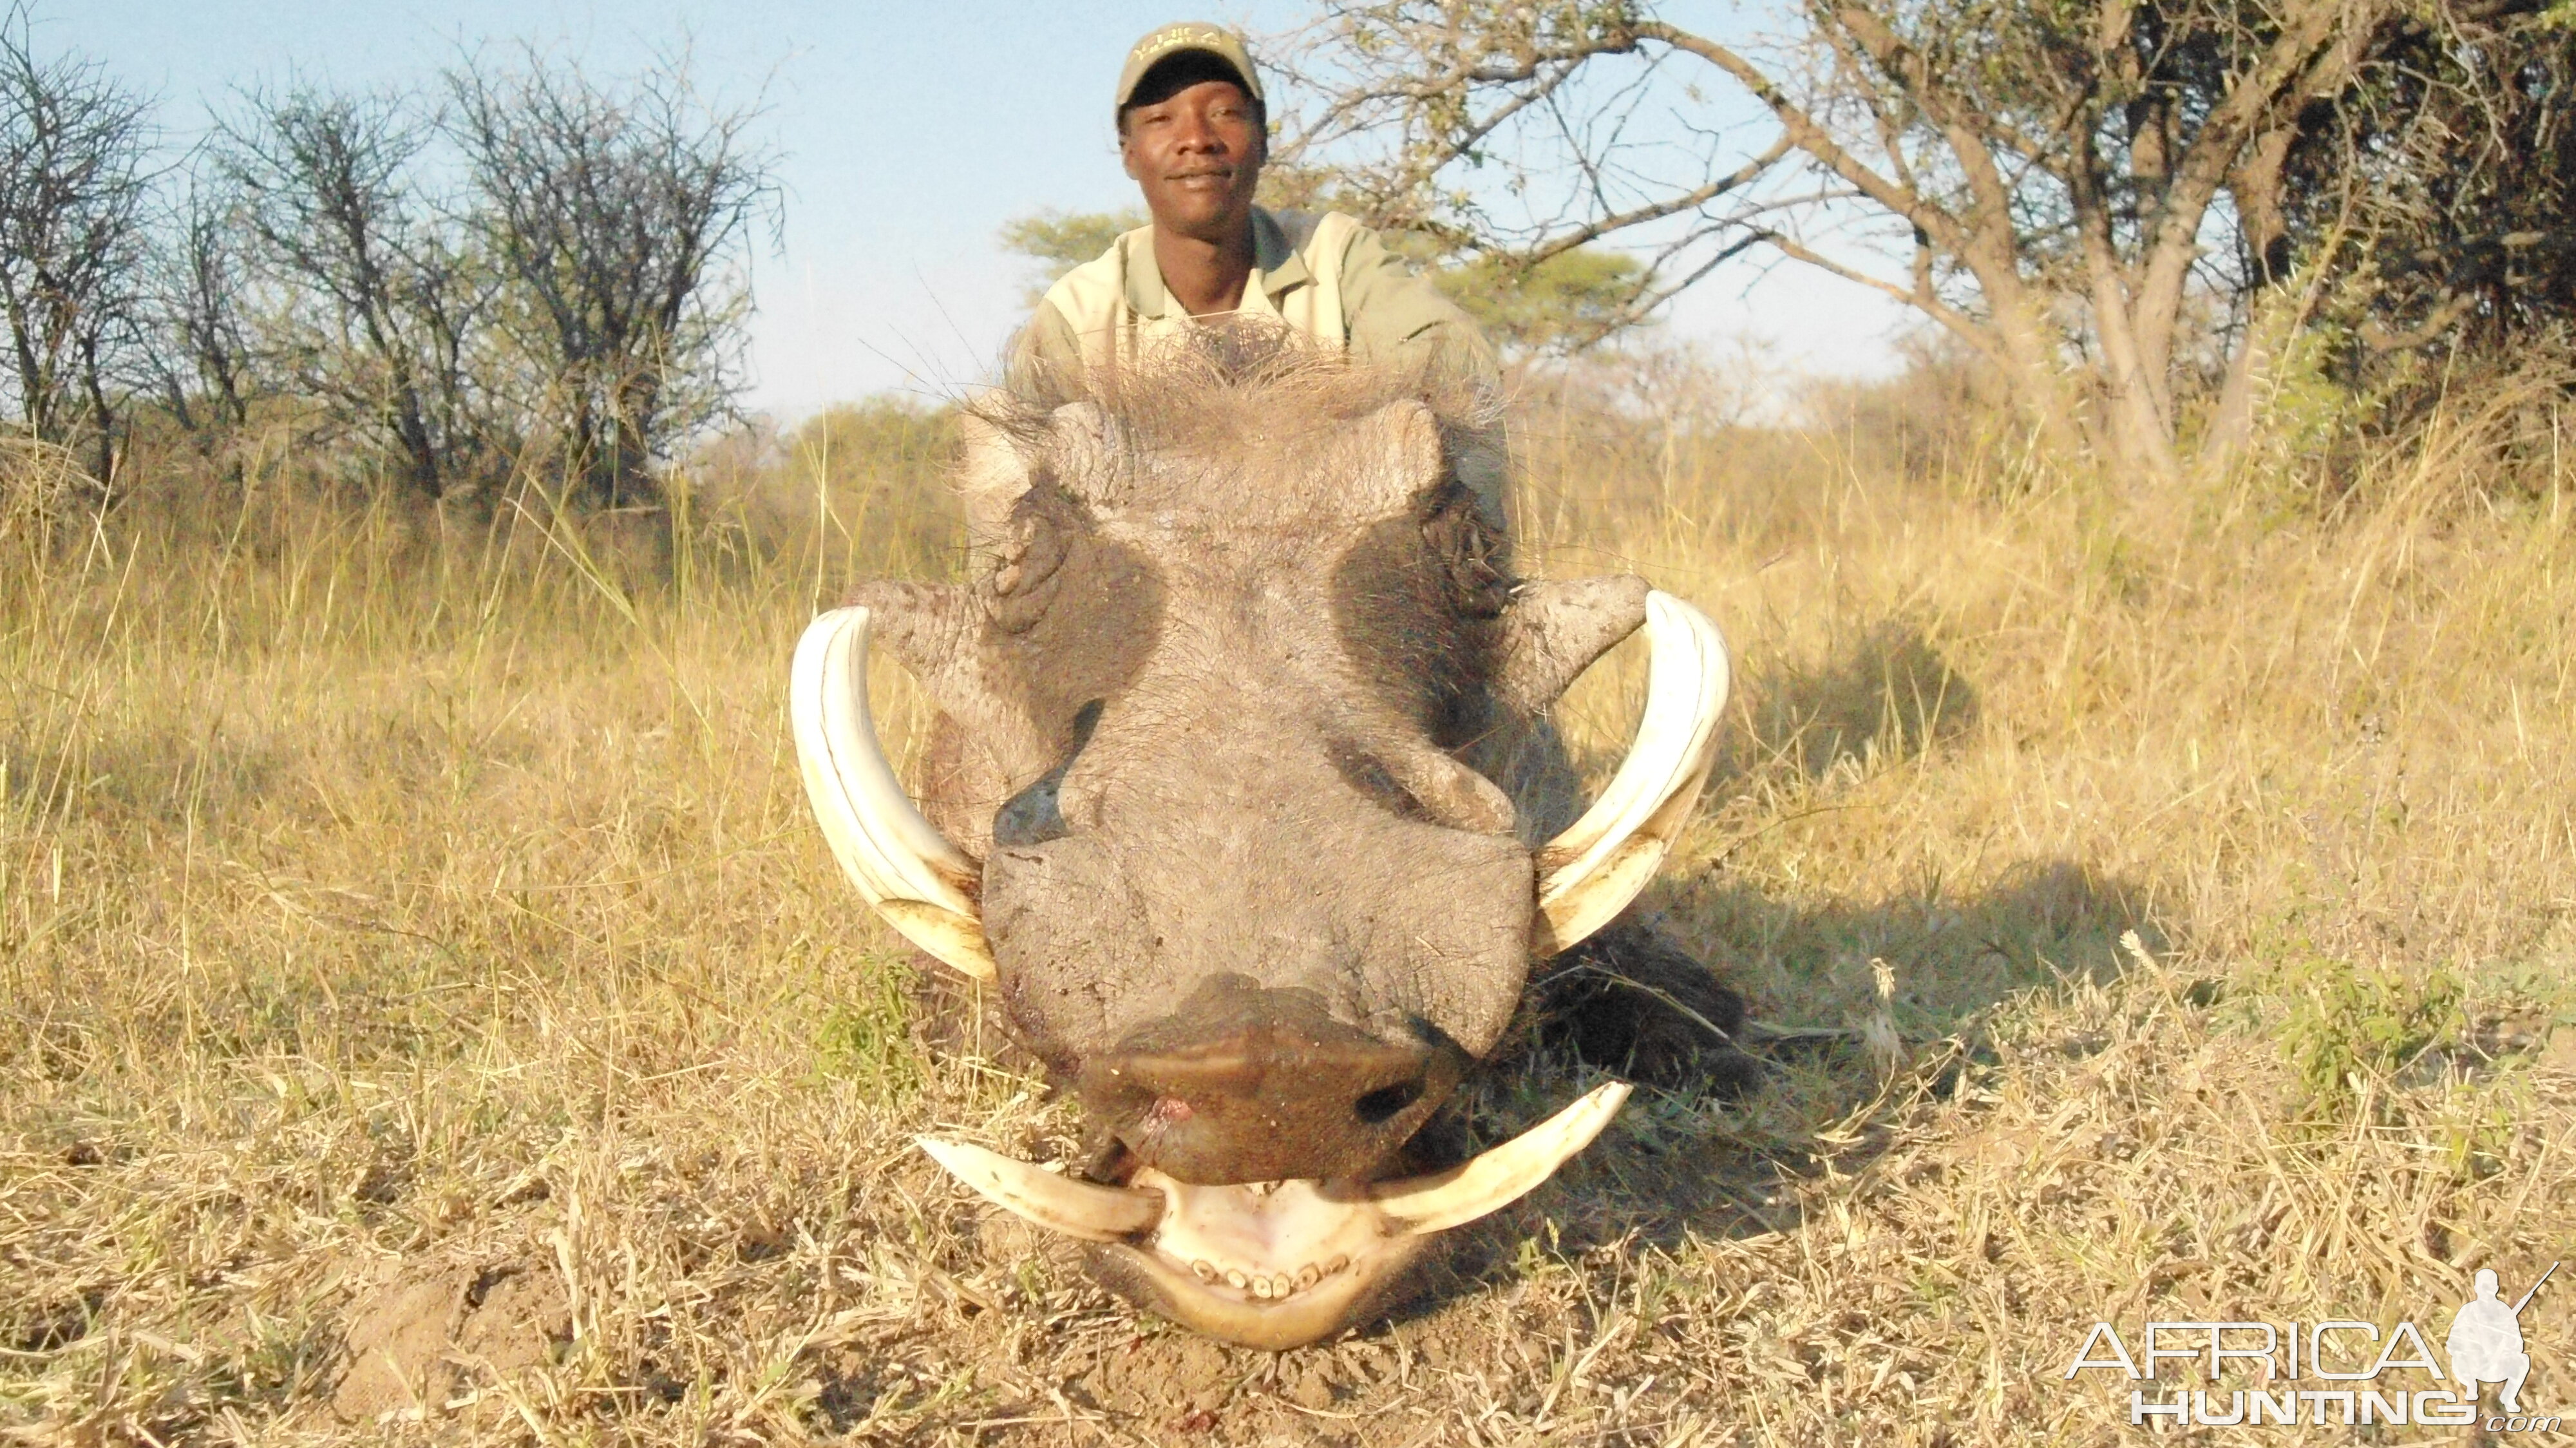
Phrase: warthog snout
(1246, 1084)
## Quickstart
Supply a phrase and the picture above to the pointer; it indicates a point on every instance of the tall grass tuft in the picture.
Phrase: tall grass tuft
(2154, 906)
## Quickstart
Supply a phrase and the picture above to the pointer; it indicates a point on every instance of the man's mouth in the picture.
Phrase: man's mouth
(1273, 1264)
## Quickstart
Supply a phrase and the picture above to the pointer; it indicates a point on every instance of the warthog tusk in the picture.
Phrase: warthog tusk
(901, 863)
(1503, 1175)
(1076, 1208)
(1588, 874)
(1309, 1219)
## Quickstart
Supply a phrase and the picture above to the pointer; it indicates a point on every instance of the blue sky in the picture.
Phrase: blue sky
(911, 132)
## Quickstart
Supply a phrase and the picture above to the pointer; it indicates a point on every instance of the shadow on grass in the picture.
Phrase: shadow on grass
(1688, 1164)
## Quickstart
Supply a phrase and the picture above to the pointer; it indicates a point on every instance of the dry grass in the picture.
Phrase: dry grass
(400, 929)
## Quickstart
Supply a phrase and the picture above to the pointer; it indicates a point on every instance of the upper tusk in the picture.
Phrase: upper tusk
(1077, 1208)
(901, 863)
(1606, 857)
(1503, 1175)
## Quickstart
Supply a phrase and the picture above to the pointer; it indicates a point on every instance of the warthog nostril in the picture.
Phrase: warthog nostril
(1386, 1102)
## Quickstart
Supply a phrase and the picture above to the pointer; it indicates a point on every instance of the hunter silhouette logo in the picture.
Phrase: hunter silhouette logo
(2485, 1345)
(2486, 1340)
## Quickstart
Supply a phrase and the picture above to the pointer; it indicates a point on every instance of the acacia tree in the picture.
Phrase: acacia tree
(73, 190)
(202, 366)
(2467, 238)
(1059, 241)
(377, 303)
(2047, 180)
(614, 216)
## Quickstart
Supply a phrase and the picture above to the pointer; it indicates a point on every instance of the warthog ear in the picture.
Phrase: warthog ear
(1086, 442)
(991, 476)
(1406, 462)
(1552, 632)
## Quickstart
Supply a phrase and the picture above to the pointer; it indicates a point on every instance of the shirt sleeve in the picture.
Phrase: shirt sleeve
(1045, 357)
(1397, 316)
(1394, 314)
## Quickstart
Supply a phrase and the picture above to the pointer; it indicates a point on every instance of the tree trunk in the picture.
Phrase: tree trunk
(2028, 352)
(102, 417)
(637, 401)
(2255, 188)
(420, 453)
(2231, 425)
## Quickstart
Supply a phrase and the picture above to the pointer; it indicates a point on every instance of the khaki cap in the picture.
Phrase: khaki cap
(1169, 40)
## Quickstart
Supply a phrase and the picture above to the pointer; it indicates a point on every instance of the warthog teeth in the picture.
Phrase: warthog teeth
(1275, 1287)
(1272, 1287)
(1076, 1208)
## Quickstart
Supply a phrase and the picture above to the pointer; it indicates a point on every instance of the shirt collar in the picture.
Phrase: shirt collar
(1276, 266)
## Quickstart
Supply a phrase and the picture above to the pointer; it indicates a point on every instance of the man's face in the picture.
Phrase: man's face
(1197, 154)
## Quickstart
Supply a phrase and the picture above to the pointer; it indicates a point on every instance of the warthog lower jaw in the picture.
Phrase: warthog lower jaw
(1273, 1264)
(1152, 1280)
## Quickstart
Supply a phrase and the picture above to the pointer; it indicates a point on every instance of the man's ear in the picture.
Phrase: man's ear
(1127, 153)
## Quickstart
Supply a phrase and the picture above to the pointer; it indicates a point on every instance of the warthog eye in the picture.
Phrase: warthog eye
(1028, 556)
(1418, 782)
(1469, 555)
(1034, 815)
(1365, 773)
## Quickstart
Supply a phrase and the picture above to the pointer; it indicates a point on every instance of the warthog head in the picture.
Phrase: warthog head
(1225, 864)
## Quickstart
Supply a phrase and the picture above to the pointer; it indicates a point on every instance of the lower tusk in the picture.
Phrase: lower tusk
(1503, 1175)
(1284, 1224)
(1076, 1208)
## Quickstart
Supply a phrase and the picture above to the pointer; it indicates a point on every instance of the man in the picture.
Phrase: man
(1193, 131)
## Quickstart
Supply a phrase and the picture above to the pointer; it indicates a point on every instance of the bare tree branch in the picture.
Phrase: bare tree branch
(73, 193)
(614, 212)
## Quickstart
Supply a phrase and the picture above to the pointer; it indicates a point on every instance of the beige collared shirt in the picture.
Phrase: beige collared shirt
(1329, 277)
(1326, 276)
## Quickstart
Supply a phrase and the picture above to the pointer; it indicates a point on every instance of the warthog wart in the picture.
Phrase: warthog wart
(1242, 798)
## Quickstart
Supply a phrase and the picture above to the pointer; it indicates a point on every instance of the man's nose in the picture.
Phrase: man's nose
(1197, 136)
